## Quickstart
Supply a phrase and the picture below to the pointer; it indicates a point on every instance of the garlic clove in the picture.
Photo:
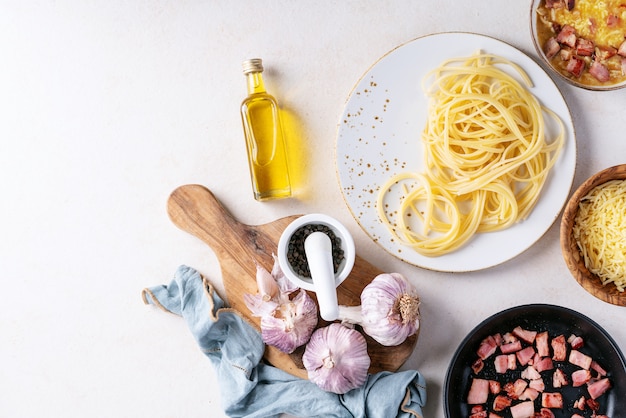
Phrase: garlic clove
(336, 358)
(268, 288)
(258, 306)
(285, 285)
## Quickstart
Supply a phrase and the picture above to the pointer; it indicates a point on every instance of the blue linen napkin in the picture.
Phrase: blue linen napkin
(252, 388)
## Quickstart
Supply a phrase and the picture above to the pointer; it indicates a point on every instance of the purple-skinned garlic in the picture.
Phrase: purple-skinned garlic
(389, 311)
(336, 358)
(286, 323)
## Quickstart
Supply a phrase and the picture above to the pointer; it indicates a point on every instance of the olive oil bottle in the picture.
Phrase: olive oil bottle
(267, 156)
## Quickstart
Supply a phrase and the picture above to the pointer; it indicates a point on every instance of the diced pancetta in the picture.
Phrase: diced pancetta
(559, 349)
(593, 405)
(530, 373)
(579, 359)
(622, 49)
(545, 413)
(599, 71)
(525, 335)
(559, 379)
(537, 384)
(597, 388)
(580, 377)
(515, 389)
(567, 36)
(541, 343)
(511, 347)
(508, 338)
(552, 400)
(598, 369)
(552, 47)
(501, 402)
(523, 410)
(580, 403)
(543, 364)
(525, 355)
(479, 392)
(487, 347)
(529, 394)
(575, 66)
(494, 386)
(478, 411)
(501, 363)
(575, 342)
(478, 365)
(584, 47)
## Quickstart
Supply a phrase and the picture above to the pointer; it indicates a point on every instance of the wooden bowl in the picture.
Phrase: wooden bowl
(573, 258)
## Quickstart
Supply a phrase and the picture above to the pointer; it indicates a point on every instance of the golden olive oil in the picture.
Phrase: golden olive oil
(267, 156)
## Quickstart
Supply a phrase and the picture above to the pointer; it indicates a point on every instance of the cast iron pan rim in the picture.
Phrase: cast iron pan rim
(523, 309)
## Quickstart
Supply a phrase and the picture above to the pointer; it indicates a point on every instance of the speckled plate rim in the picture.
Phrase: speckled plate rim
(378, 135)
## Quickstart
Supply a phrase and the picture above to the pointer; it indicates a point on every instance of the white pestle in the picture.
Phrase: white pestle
(319, 253)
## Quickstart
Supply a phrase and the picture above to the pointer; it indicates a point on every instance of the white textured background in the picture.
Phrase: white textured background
(107, 106)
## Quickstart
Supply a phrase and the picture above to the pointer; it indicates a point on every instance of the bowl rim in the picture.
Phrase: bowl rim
(569, 248)
(533, 34)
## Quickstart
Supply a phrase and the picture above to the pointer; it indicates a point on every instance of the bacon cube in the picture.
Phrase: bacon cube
(580, 377)
(525, 355)
(597, 388)
(501, 402)
(541, 343)
(523, 410)
(479, 392)
(559, 349)
(559, 379)
(525, 335)
(544, 364)
(567, 36)
(487, 347)
(552, 400)
(579, 359)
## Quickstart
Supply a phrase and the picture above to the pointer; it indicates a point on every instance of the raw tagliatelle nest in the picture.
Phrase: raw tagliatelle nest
(487, 154)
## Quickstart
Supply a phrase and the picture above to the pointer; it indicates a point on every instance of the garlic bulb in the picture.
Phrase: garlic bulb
(285, 323)
(389, 311)
(336, 358)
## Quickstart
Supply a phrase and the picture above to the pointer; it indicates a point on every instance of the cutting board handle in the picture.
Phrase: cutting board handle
(195, 209)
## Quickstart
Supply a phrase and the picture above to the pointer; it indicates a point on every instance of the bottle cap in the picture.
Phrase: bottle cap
(254, 65)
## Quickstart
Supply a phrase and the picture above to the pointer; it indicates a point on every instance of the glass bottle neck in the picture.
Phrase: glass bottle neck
(255, 83)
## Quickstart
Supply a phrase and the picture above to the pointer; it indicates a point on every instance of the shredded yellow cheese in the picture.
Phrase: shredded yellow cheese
(602, 21)
(600, 232)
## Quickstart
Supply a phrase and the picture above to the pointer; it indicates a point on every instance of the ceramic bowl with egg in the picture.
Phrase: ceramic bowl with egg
(574, 226)
(582, 41)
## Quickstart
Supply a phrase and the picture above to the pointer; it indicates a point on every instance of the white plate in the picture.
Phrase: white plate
(379, 136)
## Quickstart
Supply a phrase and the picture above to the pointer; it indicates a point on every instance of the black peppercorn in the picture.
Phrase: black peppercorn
(296, 254)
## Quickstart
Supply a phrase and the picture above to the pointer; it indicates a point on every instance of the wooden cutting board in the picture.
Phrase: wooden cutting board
(194, 209)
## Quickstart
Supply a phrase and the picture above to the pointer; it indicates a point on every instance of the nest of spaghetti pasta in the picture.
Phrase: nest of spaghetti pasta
(593, 235)
(487, 155)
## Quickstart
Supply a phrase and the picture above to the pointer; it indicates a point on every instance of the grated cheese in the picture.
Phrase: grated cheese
(591, 20)
(600, 232)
